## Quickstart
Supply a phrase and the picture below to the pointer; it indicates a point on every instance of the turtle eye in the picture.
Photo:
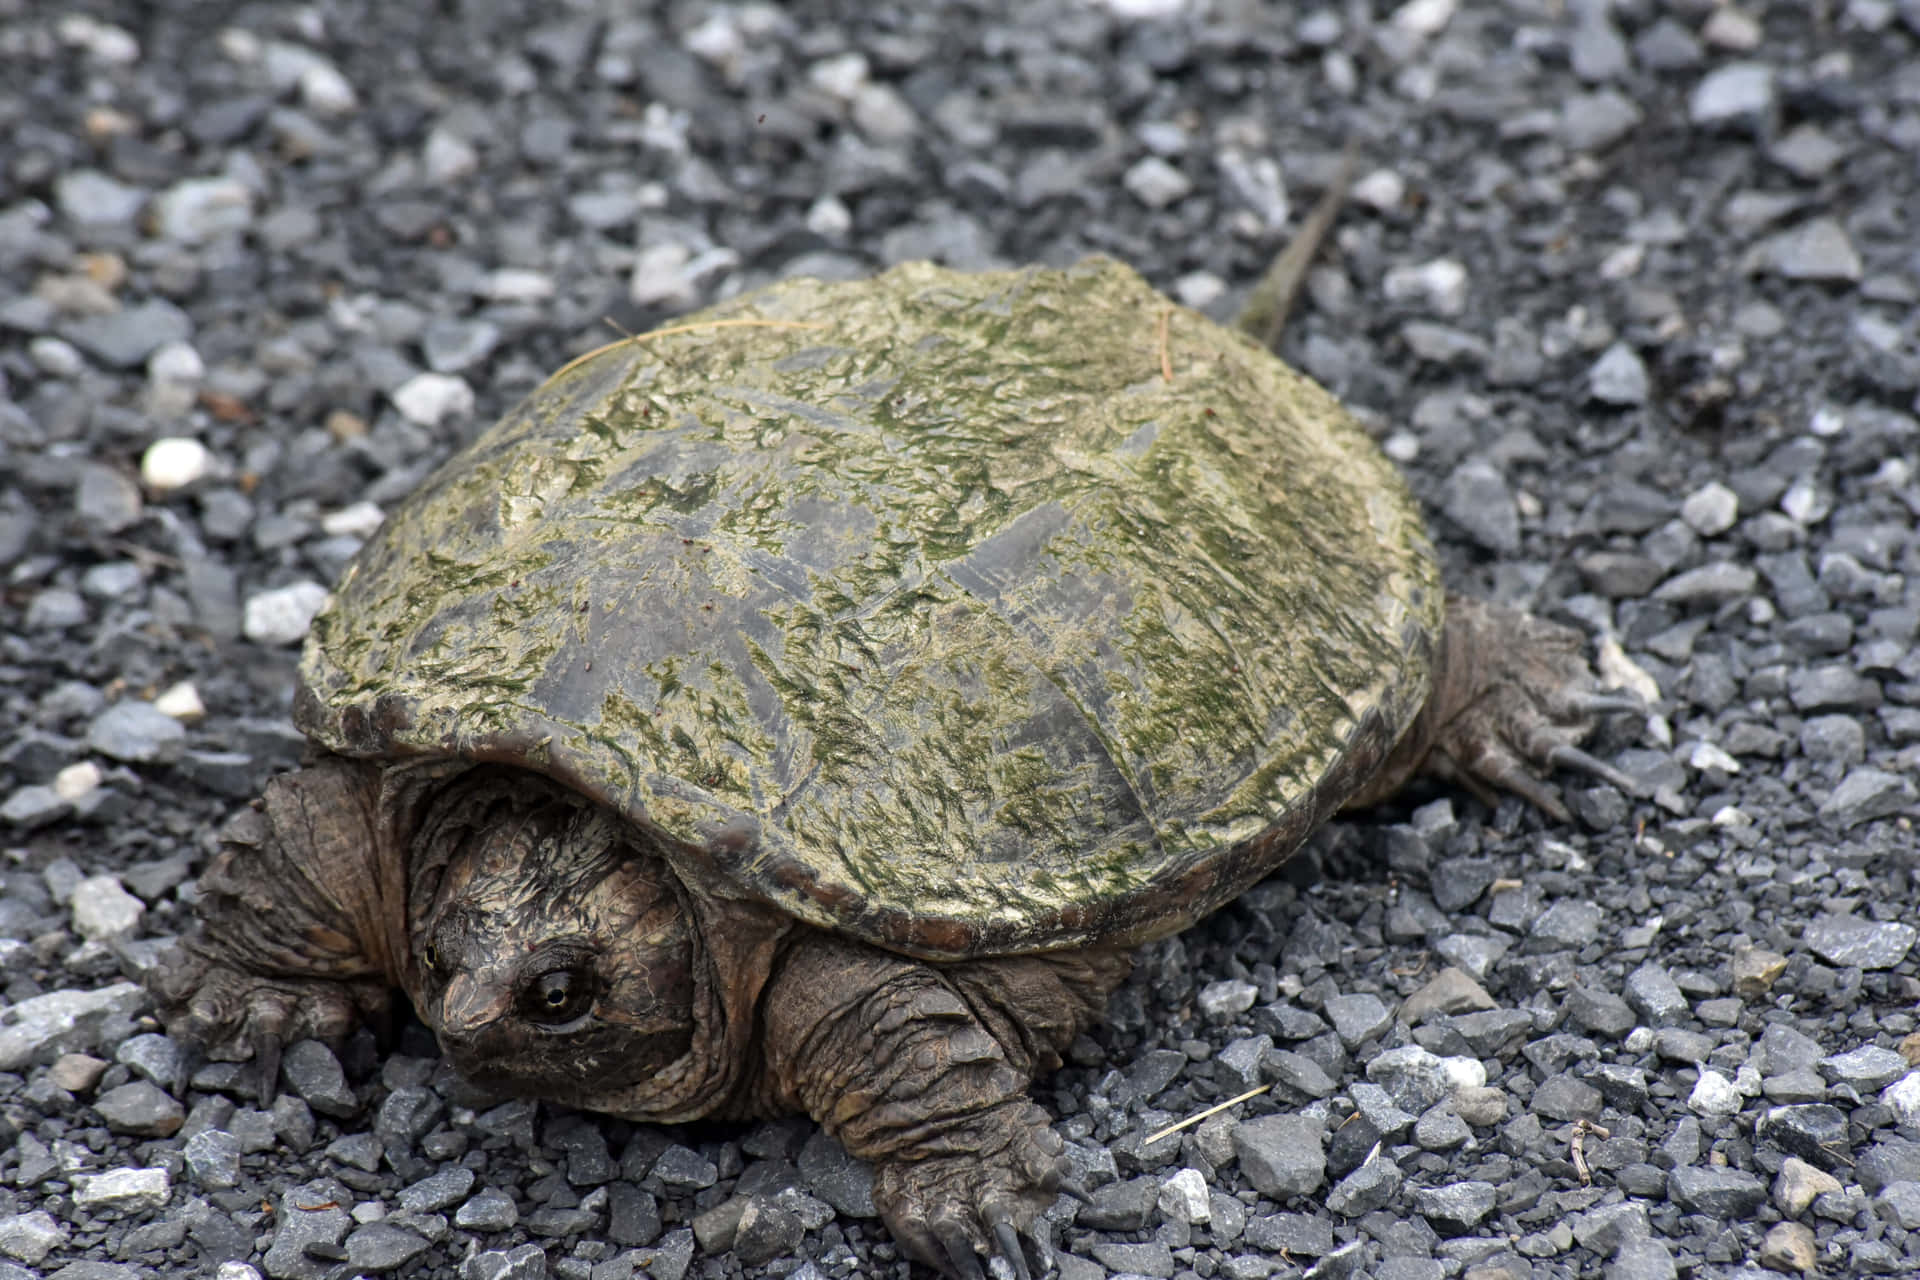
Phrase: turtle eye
(432, 958)
(557, 997)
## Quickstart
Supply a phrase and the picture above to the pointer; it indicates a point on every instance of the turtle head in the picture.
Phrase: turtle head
(553, 953)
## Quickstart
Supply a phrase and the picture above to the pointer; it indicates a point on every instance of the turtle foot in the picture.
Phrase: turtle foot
(946, 1211)
(233, 1016)
(1513, 700)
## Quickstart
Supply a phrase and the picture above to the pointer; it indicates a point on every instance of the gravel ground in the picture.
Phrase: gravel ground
(1630, 289)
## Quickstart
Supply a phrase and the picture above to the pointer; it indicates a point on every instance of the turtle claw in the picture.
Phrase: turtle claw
(1074, 1191)
(1606, 704)
(1008, 1241)
(1566, 756)
(961, 1259)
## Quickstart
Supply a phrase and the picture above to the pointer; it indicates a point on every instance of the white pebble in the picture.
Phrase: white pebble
(199, 209)
(356, 521)
(103, 911)
(1728, 28)
(829, 218)
(1184, 1197)
(1804, 503)
(174, 462)
(181, 700)
(240, 45)
(518, 284)
(1424, 17)
(429, 399)
(1827, 421)
(127, 1190)
(1402, 446)
(448, 157)
(282, 616)
(78, 780)
(716, 40)
(1440, 284)
(1705, 755)
(176, 362)
(1199, 289)
(1464, 1073)
(102, 40)
(56, 357)
(1711, 509)
(841, 75)
(1902, 1097)
(1383, 189)
(1155, 183)
(1146, 10)
(326, 91)
(1714, 1095)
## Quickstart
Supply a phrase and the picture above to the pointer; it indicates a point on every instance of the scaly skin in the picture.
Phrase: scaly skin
(924, 1070)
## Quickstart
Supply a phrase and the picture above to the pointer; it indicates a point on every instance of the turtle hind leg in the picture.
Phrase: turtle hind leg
(1513, 698)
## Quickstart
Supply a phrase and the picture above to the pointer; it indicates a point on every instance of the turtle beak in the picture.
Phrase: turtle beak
(472, 1002)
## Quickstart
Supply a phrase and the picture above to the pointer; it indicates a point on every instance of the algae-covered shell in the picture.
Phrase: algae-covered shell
(960, 613)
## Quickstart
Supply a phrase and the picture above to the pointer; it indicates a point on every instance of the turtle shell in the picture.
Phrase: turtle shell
(961, 613)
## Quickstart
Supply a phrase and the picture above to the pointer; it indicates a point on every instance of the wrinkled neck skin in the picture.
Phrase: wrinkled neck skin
(559, 952)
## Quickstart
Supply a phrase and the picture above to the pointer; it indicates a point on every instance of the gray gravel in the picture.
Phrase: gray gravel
(1631, 289)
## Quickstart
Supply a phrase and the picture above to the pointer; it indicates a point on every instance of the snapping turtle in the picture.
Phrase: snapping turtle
(808, 706)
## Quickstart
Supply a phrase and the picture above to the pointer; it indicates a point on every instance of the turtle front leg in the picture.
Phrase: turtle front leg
(300, 929)
(1513, 697)
(923, 1069)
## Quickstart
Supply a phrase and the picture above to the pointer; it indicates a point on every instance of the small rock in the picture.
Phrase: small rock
(1478, 499)
(122, 1190)
(438, 1191)
(1372, 1186)
(1450, 991)
(1790, 1247)
(123, 339)
(313, 1072)
(1155, 183)
(1224, 1000)
(1456, 1208)
(1862, 944)
(30, 1237)
(1714, 1095)
(1717, 1192)
(527, 1262)
(213, 1159)
(142, 1109)
(1439, 286)
(1184, 1197)
(196, 210)
(1816, 250)
(41, 1028)
(489, 1210)
(1739, 93)
(766, 1231)
(1864, 1070)
(1798, 1184)
(138, 733)
(281, 616)
(174, 463)
(103, 911)
(1358, 1018)
(1282, 1155)
(1711, 509)
(383, 1246)
(428, 399)
(1864, 794)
